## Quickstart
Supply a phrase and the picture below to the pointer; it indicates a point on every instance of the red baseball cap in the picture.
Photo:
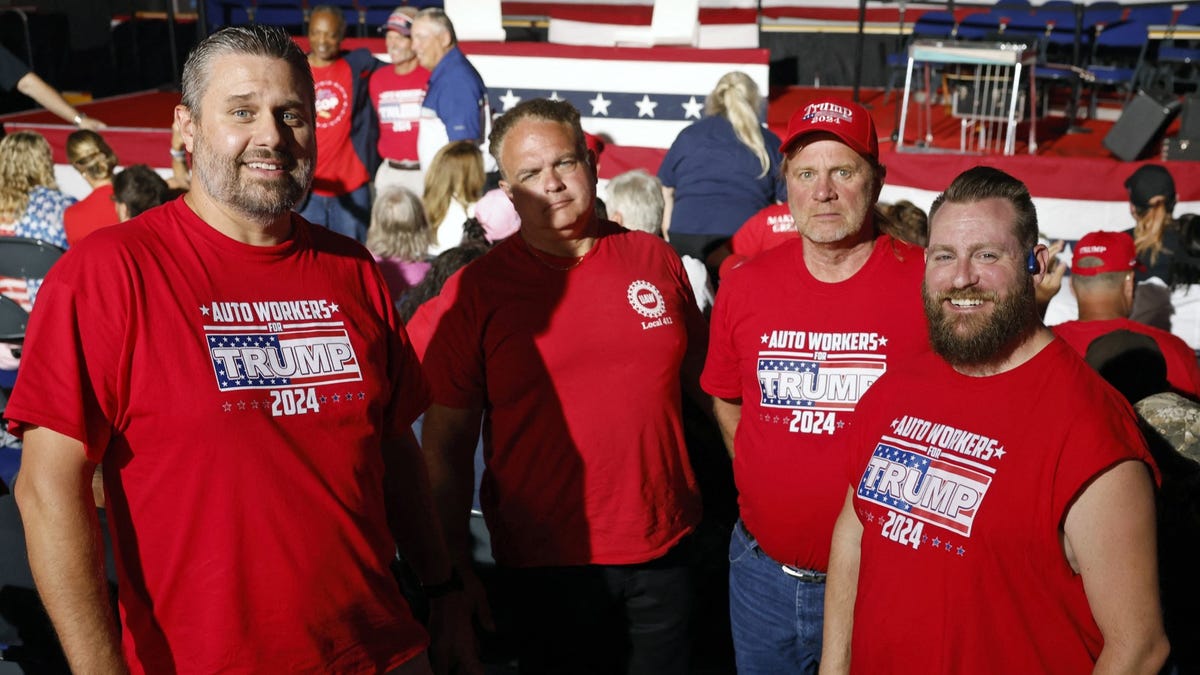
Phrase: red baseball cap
(1103, 252)
(850, 122)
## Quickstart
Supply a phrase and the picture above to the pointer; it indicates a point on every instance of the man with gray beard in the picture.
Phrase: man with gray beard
(1001, 499)
(244, 380)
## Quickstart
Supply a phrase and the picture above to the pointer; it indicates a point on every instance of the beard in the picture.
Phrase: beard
(980, 339)
(261, 199)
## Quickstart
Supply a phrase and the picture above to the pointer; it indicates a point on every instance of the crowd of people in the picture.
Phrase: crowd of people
(294, 373)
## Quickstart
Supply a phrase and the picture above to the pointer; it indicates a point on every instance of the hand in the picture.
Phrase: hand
(92, 123)
(1051, 282)
(453, 647)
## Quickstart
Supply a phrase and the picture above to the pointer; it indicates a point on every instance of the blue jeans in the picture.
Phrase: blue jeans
(347, 214)
(776, 618)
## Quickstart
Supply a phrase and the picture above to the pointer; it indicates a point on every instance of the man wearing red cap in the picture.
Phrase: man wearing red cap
(798, 335)
(396, 93)
(999, 498)
(1102, 274)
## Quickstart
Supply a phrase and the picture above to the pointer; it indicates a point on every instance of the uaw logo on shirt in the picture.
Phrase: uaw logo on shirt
(332, 103)
(289, 348)
(647, 300)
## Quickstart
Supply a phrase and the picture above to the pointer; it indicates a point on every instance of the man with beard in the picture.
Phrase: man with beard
(243, 378)
(798, 334)
(1000, 516)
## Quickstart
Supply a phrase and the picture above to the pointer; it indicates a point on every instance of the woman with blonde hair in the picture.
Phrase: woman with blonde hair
(1165, 297)
(720, 170)
(30, 203)
(399, 238)
(453, 183)
(95, 161)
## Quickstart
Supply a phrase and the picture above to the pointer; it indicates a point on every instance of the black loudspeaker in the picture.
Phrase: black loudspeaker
(1189, 122)
(1142, 121)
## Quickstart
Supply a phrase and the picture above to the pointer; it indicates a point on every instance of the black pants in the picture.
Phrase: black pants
(697, 245)
(602, 619)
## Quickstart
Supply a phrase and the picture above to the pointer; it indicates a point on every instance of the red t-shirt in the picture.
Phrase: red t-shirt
(338, 170)
(1182, 370)
(799, 353)
(962, 484)
(237, 397)
(770, 227)
(579, 374)
(397, 100)
(89, 214)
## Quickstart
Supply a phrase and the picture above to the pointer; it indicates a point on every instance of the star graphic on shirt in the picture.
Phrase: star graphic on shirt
(226, 406)
(204, 310)
(324, 399)
(882, 341)
(600, 105)
(254, 404)
(337, 399)
(509, 99)
(646, 106)
(999, 452)
(937, 542)
(949, 546)
(895, 423)
(554, 96)
(765, 338)
(961, 551)
(692, 108)
(870, 518)
(362, 395)
(840, 424)
(333, 307)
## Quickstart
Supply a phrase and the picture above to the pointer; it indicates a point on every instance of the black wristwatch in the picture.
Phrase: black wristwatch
(451, 585)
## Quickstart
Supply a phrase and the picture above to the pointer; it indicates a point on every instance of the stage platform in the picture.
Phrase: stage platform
(1077, 184)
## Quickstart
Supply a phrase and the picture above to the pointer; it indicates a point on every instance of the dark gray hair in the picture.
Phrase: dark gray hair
(543, 109)
(985, 182)
(254, 40)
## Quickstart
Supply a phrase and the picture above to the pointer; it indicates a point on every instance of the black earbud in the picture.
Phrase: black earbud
(1031, 263)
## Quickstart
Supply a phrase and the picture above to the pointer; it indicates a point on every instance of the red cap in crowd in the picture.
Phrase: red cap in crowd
(850, 122)
(1103, 252)
(399, 21)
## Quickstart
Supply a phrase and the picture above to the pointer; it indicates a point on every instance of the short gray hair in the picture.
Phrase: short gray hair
(638, 197)
(438, 16)
(253, 40)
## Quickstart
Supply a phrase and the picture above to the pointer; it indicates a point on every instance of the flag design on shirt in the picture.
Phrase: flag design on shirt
(295, 356)
(821, 385)
(938, 491)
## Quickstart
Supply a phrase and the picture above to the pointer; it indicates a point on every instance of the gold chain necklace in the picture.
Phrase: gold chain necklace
(538, 257)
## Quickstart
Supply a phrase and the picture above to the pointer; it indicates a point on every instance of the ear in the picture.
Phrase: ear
(186, 125)
(504, 185)
(1041, 253)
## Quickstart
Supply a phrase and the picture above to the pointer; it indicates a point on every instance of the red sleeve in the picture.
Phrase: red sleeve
(721, 376)
(410, 390)
(453, 361)
(76, 351)
(1091, 449)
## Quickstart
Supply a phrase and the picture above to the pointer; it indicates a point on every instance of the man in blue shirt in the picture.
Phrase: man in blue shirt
(456, 104)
